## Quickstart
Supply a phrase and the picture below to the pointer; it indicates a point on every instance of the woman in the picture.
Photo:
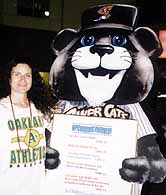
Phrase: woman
(25, 104)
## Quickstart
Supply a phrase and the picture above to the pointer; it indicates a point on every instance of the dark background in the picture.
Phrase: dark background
(36, 43)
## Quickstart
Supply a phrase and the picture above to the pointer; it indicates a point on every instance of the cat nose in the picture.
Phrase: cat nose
(101, 49)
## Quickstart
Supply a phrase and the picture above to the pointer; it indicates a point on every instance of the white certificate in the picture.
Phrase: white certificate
(91, 151)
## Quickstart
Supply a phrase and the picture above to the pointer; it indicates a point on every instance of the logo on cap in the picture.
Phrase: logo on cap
(105, 12)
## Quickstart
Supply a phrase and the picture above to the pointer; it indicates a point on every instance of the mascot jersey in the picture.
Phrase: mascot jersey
(22, 168)
(130, 111)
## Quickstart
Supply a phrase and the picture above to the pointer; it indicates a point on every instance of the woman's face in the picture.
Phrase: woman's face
(21, 79)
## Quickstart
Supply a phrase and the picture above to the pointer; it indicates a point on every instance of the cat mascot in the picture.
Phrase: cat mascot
(105, 69)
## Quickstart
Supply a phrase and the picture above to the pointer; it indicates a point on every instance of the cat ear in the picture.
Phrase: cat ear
(63, 39)
(149, 40)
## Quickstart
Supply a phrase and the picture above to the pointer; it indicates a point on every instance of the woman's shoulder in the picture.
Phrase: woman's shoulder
(5, 107)
(4, 102)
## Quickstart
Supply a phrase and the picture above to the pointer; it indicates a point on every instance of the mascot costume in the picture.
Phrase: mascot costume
(105, 69)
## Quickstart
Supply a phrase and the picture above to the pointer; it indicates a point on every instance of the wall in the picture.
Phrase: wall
(63, 14)
(9, 14)
(1, 7)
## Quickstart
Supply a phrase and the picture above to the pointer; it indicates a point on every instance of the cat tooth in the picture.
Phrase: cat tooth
(90, 75)
(107, 76)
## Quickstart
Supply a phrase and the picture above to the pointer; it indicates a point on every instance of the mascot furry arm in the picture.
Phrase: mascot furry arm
(52, 160)
(107, 63)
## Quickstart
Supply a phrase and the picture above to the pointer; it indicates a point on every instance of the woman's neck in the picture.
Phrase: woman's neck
(20, 100)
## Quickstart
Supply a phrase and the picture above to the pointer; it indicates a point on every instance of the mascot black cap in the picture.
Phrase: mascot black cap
(110, 16)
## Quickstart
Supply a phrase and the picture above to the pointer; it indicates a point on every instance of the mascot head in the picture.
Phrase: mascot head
(108, 60)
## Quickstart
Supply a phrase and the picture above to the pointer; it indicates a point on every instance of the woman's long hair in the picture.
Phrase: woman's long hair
(39, 93)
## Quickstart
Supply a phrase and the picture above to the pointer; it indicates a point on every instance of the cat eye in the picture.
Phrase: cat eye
(87, 40)
(119, 40)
